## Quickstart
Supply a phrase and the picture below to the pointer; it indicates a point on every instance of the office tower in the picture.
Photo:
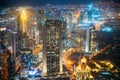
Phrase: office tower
(69, 22)
(22, 23)
(90, 45)
(19, 36)
(64, 32)
(93, 43)
(40, 22)
(87, 43)
(52, 47)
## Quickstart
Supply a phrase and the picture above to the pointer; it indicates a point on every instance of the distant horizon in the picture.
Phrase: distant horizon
(12, 3)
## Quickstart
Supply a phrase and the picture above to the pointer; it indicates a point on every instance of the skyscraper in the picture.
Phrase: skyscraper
(90, 45)
(52, 47)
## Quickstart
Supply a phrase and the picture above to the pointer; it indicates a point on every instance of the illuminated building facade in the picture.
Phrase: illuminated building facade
(83, 71)
(23, 28)
(64, 33)
(93, 43)
(90, 45)
(52, 46)
(87, 44)
(69, 17)
(23, 20)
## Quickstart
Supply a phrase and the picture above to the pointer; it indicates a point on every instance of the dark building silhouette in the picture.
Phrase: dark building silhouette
(52, 46)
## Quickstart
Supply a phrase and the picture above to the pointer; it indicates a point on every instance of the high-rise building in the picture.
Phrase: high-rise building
(41, 21)
(19, 31)
(93, 44)
(52, 47)
(87, 43)
(64, 32)
(90, 45)
(22, 24)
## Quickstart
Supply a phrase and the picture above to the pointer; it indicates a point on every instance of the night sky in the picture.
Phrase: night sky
(8, 3)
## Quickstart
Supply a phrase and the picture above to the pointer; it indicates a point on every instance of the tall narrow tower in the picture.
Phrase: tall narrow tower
(87, 43)
(52, 46)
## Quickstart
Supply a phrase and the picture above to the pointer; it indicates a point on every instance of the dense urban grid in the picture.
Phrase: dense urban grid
(60, 42)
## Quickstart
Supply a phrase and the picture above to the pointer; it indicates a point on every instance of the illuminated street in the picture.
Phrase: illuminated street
(62, 41)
